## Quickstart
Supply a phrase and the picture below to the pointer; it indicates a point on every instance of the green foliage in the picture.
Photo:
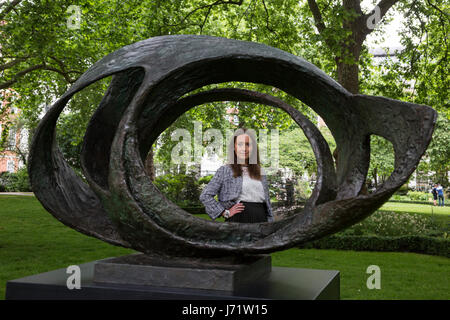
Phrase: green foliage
(303, 190)
(182, 189)
(381, 159)
(15, 182)
(420, 72)
(437, 157)
(395, 224)
(418, 195)
(205, 180)
(277, 191)
(425, 57)
(5, 127)
(399, 197)
(296, 153)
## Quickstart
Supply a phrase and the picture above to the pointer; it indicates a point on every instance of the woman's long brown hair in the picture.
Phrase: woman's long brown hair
(254, 169)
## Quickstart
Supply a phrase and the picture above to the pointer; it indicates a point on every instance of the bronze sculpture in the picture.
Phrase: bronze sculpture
(120, 205)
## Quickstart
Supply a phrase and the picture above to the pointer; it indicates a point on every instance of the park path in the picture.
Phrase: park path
(16, 194)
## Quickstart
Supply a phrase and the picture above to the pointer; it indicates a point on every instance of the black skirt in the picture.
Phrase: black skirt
(253, 212)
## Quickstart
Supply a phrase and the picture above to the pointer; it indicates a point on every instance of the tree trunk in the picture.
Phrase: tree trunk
(374, 173)
(348, 72)
(348, 76)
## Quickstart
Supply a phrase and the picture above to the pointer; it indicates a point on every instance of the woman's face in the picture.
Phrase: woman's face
(243, 147)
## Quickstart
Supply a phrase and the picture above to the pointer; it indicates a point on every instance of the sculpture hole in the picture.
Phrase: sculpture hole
(382, 159)
(73, 122)
(186, 155)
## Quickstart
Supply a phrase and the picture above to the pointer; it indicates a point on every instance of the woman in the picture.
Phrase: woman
(241, 184)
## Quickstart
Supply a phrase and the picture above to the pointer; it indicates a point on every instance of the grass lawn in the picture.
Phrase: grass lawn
(32, 241)
(416, 208)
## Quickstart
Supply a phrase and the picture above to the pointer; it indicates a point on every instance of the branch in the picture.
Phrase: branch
(204, 20)
(437, 8)
(12, 63)
(273, 30)
(61, 72)
(63, 66)
(14, 79)
(384, 6)
(42, 66)
(267, 19)
(8, 8)
(209, 6)
(245, 13)
(320, 25)
(317, 16)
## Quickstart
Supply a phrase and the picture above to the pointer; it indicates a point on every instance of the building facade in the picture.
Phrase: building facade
(14, 149)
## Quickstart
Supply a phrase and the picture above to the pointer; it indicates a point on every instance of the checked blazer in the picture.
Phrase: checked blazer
(228, 189)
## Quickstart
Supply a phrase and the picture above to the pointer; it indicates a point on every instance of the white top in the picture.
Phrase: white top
(252, 189)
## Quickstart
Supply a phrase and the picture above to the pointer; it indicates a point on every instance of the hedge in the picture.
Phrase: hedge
(15, 182)
(412, 243)
(194, 210)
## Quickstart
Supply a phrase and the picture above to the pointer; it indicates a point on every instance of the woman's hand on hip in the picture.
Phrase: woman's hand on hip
(238, 207)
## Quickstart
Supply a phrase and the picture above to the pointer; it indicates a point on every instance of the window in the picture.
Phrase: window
(10, 166)
(24, 139)
(12, 139)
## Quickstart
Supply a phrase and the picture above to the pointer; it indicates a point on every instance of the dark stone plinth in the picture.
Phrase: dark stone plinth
(281, 284)
(226, 274)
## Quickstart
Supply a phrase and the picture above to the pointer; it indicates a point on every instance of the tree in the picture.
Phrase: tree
(438, 153)
(41, 56)
(337, 34)
(344, 27)
(296, 152)
(54, 55)
(381, 160)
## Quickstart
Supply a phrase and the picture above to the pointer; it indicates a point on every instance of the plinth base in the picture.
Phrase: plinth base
(225, 274)
(280, 284)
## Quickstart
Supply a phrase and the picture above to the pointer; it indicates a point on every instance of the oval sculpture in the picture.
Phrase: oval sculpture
(120, 204)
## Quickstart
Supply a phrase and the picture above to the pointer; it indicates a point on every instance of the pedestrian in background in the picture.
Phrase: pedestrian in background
(434, 193)
(440, 192)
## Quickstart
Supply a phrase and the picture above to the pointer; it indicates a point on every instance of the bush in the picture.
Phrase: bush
(195, 210)
(15, 182)
(182, 189)
(394, 224)
(417, 195)
(417, 244)
(205, 180)
(277, 189)
(398, 197)
(303, 190)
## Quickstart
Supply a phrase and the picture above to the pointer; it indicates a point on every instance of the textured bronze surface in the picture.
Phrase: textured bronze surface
(219, 274)
(120, 205)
